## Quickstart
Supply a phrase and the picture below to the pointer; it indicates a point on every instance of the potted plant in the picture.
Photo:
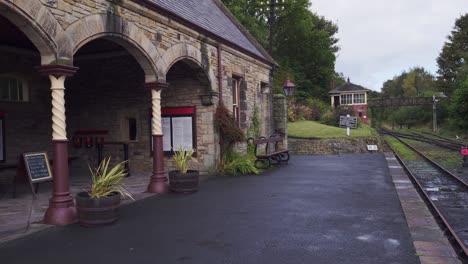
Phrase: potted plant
(183, 180)
(99, 205)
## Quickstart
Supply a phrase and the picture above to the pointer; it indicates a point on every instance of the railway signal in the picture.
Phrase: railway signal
(464, 152)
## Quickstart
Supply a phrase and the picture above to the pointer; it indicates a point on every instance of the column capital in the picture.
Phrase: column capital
(57, 70)
(158, 86)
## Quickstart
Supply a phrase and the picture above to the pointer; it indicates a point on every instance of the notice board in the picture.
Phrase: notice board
(37, 166)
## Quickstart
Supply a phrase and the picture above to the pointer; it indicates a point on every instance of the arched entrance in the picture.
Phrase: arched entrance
(188, 107)
(108, 108)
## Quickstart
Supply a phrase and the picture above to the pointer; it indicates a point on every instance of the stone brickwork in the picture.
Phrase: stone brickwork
(96, 99)
(332, 146)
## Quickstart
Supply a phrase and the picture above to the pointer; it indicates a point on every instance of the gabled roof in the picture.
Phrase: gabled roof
(349, 87)
(214, 17)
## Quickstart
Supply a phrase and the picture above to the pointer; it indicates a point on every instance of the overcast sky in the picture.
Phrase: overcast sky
(379, 39)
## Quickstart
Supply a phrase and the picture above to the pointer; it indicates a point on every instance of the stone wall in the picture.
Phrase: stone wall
(332, 146)
(28, 124)
(97, 100)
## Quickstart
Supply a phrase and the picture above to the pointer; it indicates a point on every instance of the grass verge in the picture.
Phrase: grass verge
(315, 130)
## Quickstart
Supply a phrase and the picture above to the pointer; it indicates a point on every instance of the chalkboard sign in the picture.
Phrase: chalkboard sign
(350, 121)
(37, 166)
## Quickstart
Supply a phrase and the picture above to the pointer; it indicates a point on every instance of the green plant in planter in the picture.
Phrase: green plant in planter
(182, 157)
(106, 182)
(183, 180)
(99, 206)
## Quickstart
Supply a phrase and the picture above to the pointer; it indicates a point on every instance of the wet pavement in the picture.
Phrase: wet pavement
(317, 209)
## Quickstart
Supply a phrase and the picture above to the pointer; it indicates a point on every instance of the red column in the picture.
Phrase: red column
(158, 181)
(61, 210)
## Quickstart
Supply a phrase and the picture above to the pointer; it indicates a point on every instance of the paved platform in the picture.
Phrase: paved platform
(317, 209)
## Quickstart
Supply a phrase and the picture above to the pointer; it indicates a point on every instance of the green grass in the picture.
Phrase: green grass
(312, 129)
(404, 152)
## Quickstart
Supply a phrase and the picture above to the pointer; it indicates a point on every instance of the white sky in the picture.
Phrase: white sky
(379, 39)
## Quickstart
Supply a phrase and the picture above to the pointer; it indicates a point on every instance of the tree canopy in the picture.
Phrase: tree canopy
(304, 43)
(417, 82)
(453, 55)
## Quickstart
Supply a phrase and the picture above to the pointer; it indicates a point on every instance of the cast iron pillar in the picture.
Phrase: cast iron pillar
(158, 181)
(61, 209)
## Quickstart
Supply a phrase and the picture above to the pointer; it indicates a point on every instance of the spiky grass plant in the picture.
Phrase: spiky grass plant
(182, 157)
(105, 181)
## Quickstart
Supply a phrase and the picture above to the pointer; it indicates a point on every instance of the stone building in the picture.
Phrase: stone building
(147, 73)
(352, 95)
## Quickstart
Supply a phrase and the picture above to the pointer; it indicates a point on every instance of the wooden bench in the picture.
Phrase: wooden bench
(267, 151)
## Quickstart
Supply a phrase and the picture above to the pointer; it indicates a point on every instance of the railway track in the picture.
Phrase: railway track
(431, 139)
(445, 193)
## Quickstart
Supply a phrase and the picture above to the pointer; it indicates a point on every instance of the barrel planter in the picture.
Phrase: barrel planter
(183, 182)
(94, 212)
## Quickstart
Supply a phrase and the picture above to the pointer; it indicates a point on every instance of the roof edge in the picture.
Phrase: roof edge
(157, 8)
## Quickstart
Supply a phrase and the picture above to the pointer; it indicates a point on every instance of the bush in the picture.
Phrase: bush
(328, 118)
(227, 125)
(236, 163)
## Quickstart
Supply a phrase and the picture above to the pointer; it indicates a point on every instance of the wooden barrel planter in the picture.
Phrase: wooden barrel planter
(183, 182)
(93, 212)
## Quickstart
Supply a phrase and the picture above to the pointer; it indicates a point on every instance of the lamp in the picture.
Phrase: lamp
(288, 87)
(207, 99)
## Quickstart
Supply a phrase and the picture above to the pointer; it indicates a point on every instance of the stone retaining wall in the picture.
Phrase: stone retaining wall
(332, 146)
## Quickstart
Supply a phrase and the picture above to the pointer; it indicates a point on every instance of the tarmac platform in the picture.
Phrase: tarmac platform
(317, 209)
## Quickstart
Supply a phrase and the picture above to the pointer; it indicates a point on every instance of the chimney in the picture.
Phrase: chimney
(348, 79)
(332, 84)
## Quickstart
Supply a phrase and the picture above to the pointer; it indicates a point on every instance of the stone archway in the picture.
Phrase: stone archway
(114, 28)
(183, 51)
(37, 23)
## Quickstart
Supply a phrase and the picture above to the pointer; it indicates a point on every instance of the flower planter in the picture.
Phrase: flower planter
(183, 182)
(97, 212)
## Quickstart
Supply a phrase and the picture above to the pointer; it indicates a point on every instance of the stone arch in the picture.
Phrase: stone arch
(187, 51)
(37, 22)
(114, 28)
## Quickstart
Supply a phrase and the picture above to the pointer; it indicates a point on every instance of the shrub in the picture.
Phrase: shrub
(227, 125)
(328, 118)
(236, 163)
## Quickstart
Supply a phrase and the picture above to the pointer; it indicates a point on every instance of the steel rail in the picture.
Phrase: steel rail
(439, 214)
(446, 145)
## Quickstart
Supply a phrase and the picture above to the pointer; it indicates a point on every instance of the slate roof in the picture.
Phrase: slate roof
(210, 16)
(349, 87)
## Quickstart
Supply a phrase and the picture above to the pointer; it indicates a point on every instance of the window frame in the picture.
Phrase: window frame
(236, 82)
(22, 88)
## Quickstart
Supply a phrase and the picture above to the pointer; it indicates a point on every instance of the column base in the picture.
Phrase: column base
(61, 210)
(158, 183)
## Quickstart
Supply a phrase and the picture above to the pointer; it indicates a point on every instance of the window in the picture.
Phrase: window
(13, 89)
(132, 129)
(235, 98)
(359, 98)
(346, 99)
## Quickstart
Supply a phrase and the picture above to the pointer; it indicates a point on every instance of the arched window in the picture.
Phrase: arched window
(13, 88)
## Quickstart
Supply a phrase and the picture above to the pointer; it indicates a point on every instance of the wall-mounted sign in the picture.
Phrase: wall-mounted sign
(178, 127)
(2, 138)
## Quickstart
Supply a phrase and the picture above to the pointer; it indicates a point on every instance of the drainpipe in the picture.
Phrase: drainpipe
(220, 96)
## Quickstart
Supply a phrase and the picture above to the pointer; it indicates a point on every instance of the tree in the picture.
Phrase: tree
(417, 82)
(454, 53)
(303, 43)
(459, 104)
